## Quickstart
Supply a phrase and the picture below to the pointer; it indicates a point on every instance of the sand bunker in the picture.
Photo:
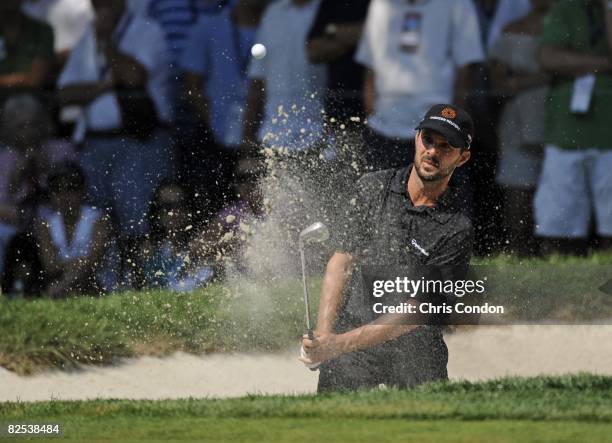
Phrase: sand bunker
(475, 354)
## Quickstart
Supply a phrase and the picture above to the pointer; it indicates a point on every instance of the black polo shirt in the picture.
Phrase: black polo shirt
(382, 228)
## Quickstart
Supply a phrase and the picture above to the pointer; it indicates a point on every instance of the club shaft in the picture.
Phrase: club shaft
(306, 299)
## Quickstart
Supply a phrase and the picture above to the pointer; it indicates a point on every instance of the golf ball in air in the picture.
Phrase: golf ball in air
(258, 51)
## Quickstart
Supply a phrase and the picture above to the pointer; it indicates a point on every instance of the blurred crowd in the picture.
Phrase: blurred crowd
(131, 131)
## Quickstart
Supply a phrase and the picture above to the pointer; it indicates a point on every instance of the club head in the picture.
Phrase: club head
(317, 232)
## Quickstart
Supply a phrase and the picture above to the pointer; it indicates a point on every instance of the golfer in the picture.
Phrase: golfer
(399, 217)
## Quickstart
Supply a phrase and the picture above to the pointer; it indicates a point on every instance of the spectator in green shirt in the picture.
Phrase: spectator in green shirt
(576, 180)
(26, 48)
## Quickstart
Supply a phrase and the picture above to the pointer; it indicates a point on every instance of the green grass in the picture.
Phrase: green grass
(42, 333)
(563, 409)
(597, 258)
(564, 291)
(266, 430)
(39, 334)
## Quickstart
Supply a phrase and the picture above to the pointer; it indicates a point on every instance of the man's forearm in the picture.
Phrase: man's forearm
(17, 80)
(370, 335)
(327, 48)
(350, 33)
(30, 79)
(127, 71)
(83, 93)
(328, 345)
(338, 271)
(509, 85)
(569, 63)
(324, 50)
(369, 92)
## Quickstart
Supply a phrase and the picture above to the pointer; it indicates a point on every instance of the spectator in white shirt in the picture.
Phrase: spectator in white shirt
(68, 18)
(417, 53)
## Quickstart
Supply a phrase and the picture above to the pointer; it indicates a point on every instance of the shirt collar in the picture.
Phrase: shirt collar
(445, 206)
(400, 180)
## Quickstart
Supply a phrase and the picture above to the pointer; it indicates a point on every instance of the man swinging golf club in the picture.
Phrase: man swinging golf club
(400, 217)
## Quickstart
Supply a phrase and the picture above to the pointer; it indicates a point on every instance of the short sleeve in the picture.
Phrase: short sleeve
(147, 44)
(195, 55)
(364, 55)
(467, 46)
(333, 11)
(75, 69)
(555, 27)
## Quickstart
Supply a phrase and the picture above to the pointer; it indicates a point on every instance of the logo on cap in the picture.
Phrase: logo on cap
(449, 113)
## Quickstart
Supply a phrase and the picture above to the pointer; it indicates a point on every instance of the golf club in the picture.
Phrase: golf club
(317, 232)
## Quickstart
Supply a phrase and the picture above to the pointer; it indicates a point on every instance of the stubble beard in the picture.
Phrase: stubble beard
(434, 177)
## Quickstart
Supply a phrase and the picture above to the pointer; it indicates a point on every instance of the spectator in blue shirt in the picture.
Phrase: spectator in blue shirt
(177, 18)
(215, 63)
